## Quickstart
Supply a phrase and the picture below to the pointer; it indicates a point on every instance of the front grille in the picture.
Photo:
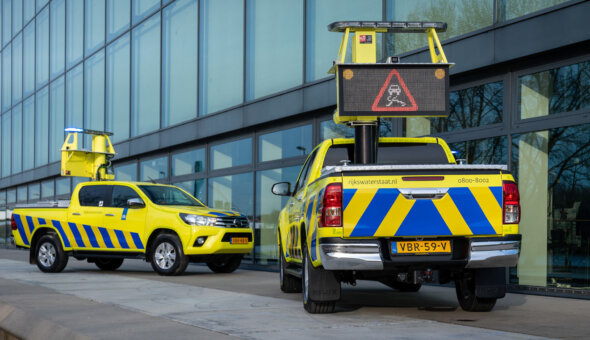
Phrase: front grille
(232, 222)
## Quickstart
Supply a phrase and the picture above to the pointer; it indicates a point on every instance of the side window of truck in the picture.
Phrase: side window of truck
(120, 196)
(304, 172)
(93, 195)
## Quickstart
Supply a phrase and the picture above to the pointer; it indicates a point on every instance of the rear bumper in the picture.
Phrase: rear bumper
(347, 254)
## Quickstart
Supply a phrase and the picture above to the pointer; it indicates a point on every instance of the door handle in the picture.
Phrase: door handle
(77, 214)
(291, 204)
(109, 214)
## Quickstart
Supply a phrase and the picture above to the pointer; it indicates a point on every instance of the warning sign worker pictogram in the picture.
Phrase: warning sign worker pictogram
(394, 95)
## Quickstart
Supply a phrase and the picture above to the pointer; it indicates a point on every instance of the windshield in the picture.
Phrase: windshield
(162, 195)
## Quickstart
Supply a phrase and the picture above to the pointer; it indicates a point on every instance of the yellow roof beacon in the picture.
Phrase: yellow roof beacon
(368, 90)
(95, 163)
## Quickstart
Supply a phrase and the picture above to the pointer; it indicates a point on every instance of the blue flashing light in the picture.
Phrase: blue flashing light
(73, 129)
(455, 152)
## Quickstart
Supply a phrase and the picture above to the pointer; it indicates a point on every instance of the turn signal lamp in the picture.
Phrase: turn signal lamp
(331, 208)
(511, 200)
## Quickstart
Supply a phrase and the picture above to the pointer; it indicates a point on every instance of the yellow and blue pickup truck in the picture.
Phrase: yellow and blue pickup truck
(414, 216)
(107, 222)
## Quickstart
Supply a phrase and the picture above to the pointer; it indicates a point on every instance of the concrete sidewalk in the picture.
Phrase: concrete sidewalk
(135, 303)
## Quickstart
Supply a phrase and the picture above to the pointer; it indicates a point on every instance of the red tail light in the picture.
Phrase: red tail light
(13, 223)
(511, 200)
(331, 208)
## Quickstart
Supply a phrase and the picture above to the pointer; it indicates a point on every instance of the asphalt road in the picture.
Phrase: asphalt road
(135, 303)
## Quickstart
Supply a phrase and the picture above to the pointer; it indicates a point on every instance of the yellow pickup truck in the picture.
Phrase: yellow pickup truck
(414, 216)
(107, 222)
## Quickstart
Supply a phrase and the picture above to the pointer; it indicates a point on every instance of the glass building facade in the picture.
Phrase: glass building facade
(226, 97)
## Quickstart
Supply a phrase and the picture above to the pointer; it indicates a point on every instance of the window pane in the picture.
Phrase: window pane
(516, 8)
(21, 193)
(179, 76)
(270, 69)
(329, 129)
(197, 188)
(17, 139)
(120, 196)
(559, 90)
(285, 144)
(142, 8)
(322, 45)
(76, 181)
(2, 198)
(231, 154)
(58, 37)
(29, 130)
(472, 107)
(11, 196)
(75, 33)
(153, 169)
(42, 43)
(17, 68)
(40, 4)
(268, 207)
(232, 193)
(56, 118)
(29, 59)
(28, 9)
(42, 127)
(94, 25)
(461, 16)
(482, 151)
(47, 190)
(93, 195)
(34, 192)
(6, 140)
(145, 105)
(553, 168)
(74, 97)
(6, 78)
(126, 172)
(221, 78)
(118, 13)
(6, 21)
(118, 89)
(188, 162)
(94, 94)
(62, 186)
(17, 16)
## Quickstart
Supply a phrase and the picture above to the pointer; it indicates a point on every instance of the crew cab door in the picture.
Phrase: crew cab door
(125, 224)
(86, 217)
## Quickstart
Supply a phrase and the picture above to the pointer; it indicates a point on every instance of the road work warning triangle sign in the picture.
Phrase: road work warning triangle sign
(394, 95)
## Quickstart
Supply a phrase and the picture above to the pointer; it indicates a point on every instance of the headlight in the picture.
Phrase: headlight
(198, 220)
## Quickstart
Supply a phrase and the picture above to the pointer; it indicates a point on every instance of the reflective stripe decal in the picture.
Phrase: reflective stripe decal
(347, 195)
(31, 224)
(121, 238)
(62, 233)
(471, 211)
(91, 236)
(41, 221)
(21, 229)
(137, 240)
(106, 237)
(423, 219)
(124, 215)
(375, 212)
(77, 235)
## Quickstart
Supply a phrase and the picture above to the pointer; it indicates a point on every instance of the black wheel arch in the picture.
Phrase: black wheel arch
(38, 234)
(152, 238)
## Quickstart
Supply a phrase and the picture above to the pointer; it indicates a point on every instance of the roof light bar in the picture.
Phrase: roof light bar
(389, 26)
(87, 131)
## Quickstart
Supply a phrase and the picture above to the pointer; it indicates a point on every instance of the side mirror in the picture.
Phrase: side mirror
(281, 189)
(135, 203)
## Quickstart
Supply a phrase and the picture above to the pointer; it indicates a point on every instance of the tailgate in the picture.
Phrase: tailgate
(422, 205)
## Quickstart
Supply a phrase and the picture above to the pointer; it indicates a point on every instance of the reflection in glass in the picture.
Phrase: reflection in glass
(17, 68)
(42, 48)
(284, 144)
(268, 207)
(509, 9)
(145, 73)
(221, 73)
(94, 25)
(188, 162)
(74, 97)
(62, 186)
(42, 126)
(558, 90)
(75, 32)
(47, 190)
(270, 69)
(56, 118)
(57, 35)
(17, 16)
(179, 62)
(94, 94)
(117, 109)
(118, 14)
(28, 10)
(6, 21)
(559, 160)
(17, 139)
(11, 196)
(127, 172)
(322, 44)
(153, 169)
(6, 78)
(29, 59)
(232, 193)
(21, 193)
(329, 129)
(142, 8)
(481, 151)
(6, 139)
(34, 191)
(29, 130)
(231, 154)
(472, 107)
(197, 188)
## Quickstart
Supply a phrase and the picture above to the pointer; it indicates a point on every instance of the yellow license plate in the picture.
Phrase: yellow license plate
(421, 247)
(239, 240)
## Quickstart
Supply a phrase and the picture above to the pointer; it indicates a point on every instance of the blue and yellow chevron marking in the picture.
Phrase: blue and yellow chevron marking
(124, 214)
(385, 212)
(21, 229)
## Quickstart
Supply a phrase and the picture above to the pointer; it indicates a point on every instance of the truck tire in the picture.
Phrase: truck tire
(288, 282)
(108, 264)
(49, 254)
(465, 288)
(227, 265)
(167, 256)
(310, 305)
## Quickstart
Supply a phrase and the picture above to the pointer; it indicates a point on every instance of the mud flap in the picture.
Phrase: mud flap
(325, 286)
(490, 282)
